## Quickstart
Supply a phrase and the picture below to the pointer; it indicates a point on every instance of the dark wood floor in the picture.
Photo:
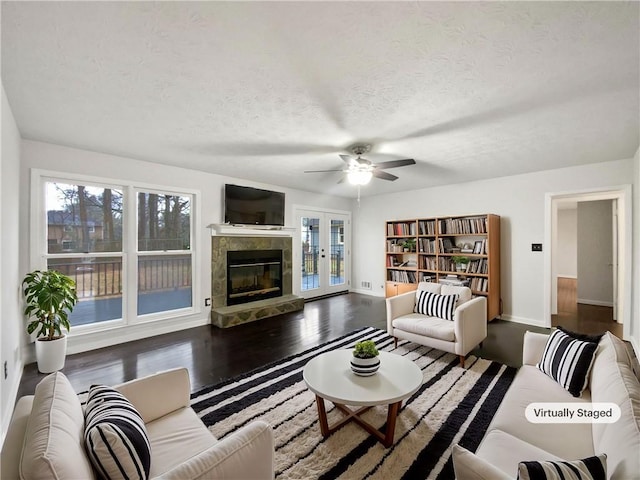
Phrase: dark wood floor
(212, 354)
(579, 317)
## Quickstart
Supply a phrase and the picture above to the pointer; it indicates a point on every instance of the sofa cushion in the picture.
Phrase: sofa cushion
(435, 305)
(505, 451)
(469, 466)
(53, 445)
(568, 361)
(115, 436)
(176, 438)
(566, 440)
(464, 293)
(432, 287)
(431, 327)
(581, 336)
(613, 380)
(591, 468)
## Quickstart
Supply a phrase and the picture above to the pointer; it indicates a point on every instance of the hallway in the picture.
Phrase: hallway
(580, 317)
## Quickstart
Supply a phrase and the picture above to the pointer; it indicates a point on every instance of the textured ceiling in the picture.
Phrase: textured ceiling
(266, 90)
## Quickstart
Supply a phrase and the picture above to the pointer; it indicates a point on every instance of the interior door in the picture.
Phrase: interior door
(322, 252)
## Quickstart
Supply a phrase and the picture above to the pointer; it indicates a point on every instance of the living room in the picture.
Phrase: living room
(572, 131)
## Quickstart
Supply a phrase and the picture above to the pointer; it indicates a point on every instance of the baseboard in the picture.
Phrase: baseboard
(371, 293)
(598, 303)
(11, 400)
(525, 321)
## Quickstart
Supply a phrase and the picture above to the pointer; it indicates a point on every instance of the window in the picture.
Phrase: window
(88, 238)
(73, 211)
(164, 252)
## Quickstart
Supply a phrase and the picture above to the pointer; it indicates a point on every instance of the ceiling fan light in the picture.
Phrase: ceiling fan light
(359, 177)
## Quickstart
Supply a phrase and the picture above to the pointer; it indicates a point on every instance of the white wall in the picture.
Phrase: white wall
(11, 324)
(567, 254)
(595, 253)
(519, 200)
(44, 156)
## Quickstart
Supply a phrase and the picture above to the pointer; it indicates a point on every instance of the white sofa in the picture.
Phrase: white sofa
(511, 438)
(45, 437)
(467, 330)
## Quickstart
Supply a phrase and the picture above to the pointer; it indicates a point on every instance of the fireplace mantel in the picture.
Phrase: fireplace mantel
(227, 229)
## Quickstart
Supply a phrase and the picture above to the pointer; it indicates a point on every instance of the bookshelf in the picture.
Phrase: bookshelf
(424, 249)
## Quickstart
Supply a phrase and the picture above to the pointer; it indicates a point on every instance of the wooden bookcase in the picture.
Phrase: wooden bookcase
(422, 249)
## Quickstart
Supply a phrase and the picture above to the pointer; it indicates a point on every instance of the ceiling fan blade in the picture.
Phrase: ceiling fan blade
(396, 163)
(347, 159)
(384, 175)
(319, 171)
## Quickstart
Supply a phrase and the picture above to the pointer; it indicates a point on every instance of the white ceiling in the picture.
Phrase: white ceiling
(266, 90)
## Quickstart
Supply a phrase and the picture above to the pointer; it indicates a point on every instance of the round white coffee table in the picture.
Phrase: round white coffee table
(329, 376)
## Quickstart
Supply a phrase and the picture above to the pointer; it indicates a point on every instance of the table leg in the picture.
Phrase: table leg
(322, 416)
(392, 415)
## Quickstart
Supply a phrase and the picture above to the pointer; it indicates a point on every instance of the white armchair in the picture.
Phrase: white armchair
(467, 330)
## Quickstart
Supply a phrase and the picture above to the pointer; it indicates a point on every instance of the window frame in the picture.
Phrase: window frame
(39, 253)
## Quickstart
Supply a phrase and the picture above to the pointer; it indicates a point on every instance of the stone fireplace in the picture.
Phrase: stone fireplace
(262, 288)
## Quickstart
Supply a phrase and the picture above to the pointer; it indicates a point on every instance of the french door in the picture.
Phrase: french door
(321, 252)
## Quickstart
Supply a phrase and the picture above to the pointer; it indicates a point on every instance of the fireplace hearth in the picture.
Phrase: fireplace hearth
(253, 275)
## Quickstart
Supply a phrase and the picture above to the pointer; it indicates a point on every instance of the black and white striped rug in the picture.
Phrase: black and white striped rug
(454, 405)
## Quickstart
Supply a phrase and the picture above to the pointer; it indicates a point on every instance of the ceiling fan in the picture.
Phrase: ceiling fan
(360, 170)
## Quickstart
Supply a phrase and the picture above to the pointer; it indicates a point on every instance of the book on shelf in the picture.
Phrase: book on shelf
(463, 226)
(427, 277)
(427, 227)
(455, 282)
(402, 276)
(480, 246)
(401, 229)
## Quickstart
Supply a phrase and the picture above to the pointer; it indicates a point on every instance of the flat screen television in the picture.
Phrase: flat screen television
(253, 206)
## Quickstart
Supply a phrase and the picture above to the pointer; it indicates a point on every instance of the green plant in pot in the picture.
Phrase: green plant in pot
(460, 262)
(409, 244)
(365, 361)
(49, 296)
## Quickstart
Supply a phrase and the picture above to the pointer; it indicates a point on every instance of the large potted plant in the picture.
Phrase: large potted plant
(50, 296)
(365, 359)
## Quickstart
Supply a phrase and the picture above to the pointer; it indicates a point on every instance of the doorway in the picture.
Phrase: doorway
(614, 273)
(582, 317)
(321, 253)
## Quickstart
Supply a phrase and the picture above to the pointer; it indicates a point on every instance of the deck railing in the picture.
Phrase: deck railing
(310, 263)
(101, 278)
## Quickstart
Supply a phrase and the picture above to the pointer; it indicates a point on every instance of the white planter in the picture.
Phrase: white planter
(365, 366)
(51, 354)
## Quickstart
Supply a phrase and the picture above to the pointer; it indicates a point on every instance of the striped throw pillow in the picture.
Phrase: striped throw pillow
(434, 305)
(568, 361)
(592, 468)
(115, 436)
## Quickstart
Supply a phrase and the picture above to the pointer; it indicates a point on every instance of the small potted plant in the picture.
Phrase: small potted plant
(409, 245)
(50, 296)
(460, 262)
(365, 359)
